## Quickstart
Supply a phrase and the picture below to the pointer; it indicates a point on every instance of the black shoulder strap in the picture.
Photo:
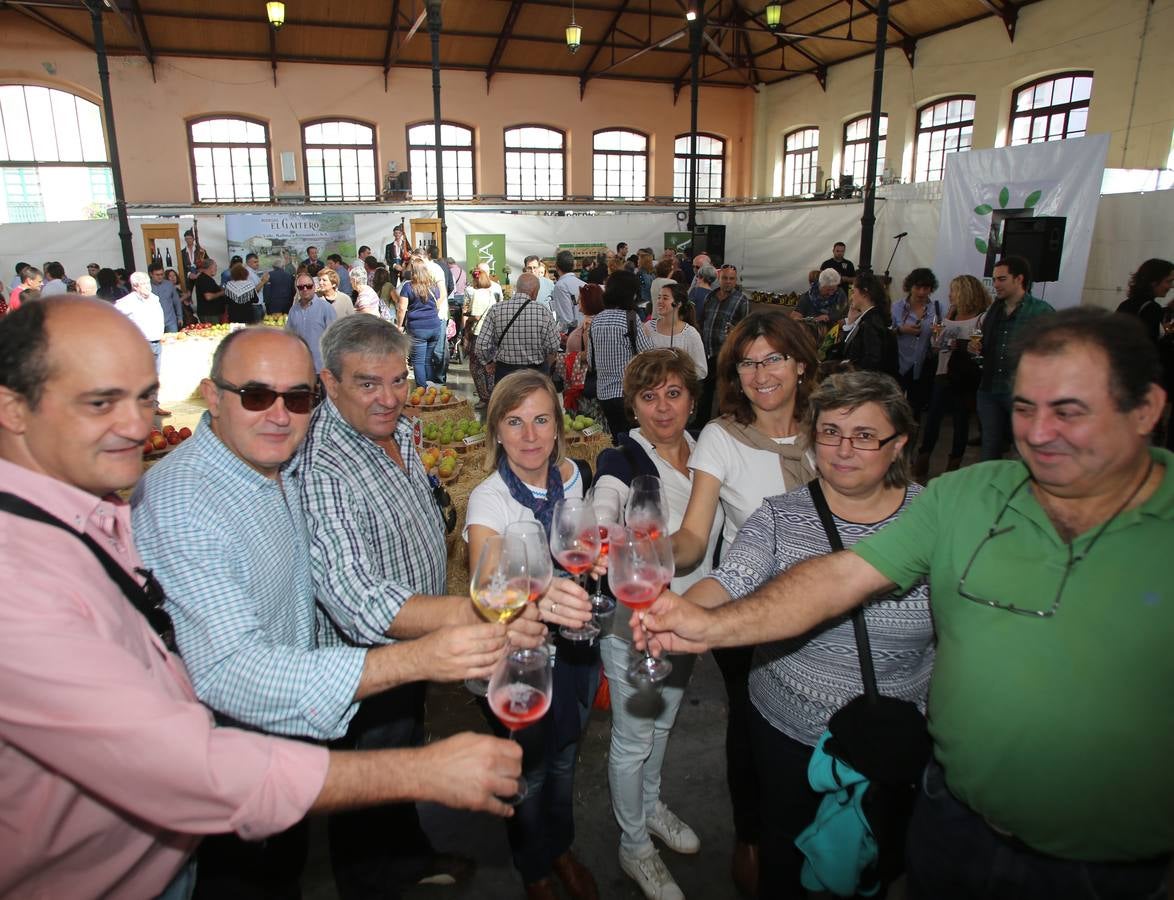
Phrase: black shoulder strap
(510, 323)
(146, 598)
(633, 324)
(863, 646)
(585, 473)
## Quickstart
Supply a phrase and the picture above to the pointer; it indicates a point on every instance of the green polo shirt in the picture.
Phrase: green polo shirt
(1058, 730)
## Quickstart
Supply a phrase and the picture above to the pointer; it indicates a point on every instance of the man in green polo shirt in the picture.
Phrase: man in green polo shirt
(1050, 705)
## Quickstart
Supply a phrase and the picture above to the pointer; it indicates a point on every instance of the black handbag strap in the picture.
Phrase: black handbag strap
(863, 645)
(147, 598)
(510, 323)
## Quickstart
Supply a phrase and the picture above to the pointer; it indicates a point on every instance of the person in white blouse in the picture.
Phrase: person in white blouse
(751, 451)
(661, 388)
(674, 324)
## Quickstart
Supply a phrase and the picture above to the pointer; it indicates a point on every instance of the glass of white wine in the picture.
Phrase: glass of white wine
(500, 587)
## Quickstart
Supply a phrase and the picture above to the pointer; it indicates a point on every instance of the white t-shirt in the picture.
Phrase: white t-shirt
(677, 488)
(688, 340)
(491, 505)
(442, 286)
(478, 301)
(953, 330)
(747, 475)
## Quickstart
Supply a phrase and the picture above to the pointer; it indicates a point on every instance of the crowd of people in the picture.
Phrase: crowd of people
(247, 641)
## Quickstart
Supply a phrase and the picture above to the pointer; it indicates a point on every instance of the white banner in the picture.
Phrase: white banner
(983, 188)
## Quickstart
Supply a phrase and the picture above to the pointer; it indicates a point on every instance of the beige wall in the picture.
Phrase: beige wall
(1051, 36)
(153, 137)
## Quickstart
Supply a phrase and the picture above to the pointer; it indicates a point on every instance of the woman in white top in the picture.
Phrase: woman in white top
(969, 301)
(661, 388)
(479, 298)
(750, 452)
(674, 324)
(530, 473)
(366, 299)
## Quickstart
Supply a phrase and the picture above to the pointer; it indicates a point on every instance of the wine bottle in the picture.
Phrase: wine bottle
(169, 263)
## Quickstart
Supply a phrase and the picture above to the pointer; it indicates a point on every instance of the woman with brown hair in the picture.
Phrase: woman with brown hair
(479, 298)
(867, 341)
(968, 302)
(751, 451)
(419, 315)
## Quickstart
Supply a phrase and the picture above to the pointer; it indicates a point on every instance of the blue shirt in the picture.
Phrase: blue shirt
(309, 322)
(230, 548)
(172, 306)
(376, 536)
(564, 300)
(344, 279)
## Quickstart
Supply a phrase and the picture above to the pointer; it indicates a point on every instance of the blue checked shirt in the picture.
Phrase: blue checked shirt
(231, 550)
(376, 535)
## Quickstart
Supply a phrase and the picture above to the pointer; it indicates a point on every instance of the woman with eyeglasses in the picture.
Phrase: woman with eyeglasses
(530, 473)
(860, 426)
(753, 450)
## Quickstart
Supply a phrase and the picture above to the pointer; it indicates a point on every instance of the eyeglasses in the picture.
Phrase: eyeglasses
(831, 437)
(259, 399)
(305, 287)
(770, 363)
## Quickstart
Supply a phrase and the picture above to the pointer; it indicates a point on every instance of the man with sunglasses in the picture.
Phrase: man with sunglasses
(113, 770)
(309, 317)
(1049, 705)
(221, 525)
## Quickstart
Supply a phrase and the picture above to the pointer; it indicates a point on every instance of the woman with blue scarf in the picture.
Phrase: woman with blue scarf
(530, 473)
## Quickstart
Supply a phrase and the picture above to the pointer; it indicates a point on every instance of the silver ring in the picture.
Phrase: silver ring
(554, 607)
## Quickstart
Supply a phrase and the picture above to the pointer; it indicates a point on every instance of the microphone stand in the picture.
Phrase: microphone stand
(900, 237)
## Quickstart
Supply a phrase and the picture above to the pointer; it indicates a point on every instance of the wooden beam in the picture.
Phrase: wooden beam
(407, 37)
(585, 75)
(41, 19)
(507, 31)
(392, 30)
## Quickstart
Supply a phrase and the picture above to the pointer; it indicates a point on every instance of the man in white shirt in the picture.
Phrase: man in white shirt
(441, 276)
(55, 280)
(565, 299)
(143, 308)
(253, 264)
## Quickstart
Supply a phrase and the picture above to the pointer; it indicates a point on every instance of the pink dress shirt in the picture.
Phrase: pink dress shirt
(109, 765)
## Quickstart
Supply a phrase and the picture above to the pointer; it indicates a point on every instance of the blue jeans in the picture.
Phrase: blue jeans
(425, 339)
(641, 718)
(952, 852)
(994, 412)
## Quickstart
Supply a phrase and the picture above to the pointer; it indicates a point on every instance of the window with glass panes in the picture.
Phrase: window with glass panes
(230, 160)
(1051, 109)
(456, 155)
(340, 160)
(53, 162)
(856, 135)
(620, 165)
(535, 163)
(711, 155)
(943, 127)
(800, 157)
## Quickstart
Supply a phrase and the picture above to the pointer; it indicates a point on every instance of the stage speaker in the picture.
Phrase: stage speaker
(1039, 240)
(711, 240)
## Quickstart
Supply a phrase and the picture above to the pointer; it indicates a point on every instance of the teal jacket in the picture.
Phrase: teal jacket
(839, 844)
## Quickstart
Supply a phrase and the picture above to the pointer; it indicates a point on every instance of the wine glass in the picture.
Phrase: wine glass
(637, 573)
(574, 542)
(538, 562)
(519, 695)
(609, 511)
(499, 587)
(647, 509)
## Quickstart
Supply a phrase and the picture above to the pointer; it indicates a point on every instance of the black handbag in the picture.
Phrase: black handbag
(886, 739)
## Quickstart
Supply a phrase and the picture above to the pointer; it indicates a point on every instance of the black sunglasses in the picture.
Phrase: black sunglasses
(259, 399)
(306, 287)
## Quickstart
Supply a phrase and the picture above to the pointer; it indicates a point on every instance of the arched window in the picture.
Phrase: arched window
(339, 160)
(456, 151)
(53, 161)
(620, 165)
(535, 163)
(800, 158)
(1051, 108)
(856, 134)
(711, 158)
(943, 127)
(230, 160)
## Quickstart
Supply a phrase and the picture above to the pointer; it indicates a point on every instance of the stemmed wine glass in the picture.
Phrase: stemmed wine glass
(638, 570)
(499, 586)
(519, 695)
(647, 510)
(538, 562)
(574, 542)
(609, 511)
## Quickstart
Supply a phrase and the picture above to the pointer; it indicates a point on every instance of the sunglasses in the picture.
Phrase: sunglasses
(305, 287)
(259, 399)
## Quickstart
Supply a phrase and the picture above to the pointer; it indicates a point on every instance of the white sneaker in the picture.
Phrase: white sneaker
(650, 873)
(676, 834)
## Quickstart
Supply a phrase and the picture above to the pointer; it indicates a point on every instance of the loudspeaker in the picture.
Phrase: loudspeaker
(710, 240)
(1039, 240)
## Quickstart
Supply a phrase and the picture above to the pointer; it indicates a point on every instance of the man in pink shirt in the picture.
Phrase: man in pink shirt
(110, 768)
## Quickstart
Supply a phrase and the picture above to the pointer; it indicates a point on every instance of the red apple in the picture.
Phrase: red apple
(158, 441)
(173, 438)
(185, 433)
